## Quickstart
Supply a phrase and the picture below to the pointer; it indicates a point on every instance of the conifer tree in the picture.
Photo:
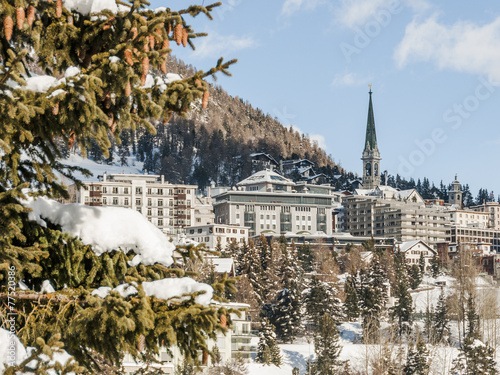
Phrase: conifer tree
(81, 74)
(319, 299)
(441, 318)
(373, 297)
(326, 347)
(351, 303)
(287, 316)
(402, 312)
(415, 276)
(417, 361)
(268, 350)
(475, 358)
(435, 266)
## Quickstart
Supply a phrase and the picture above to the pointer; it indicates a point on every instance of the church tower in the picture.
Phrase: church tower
(455, 193)
(371, 156)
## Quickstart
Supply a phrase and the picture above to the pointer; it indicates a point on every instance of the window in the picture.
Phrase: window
(242, 231)
(160, 222)
(160, 202)
(115, 201)
(150, 202)
(160, 212)
(138, 190)
(150, 191)
(137, 202)
(104, 201)
(115, 190)
(126, 202)
(160, 191)
(125, 190)
(105, 190)
(207, 239)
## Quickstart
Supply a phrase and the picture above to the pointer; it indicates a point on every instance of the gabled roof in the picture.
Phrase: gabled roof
(263, 176)
(256, 154)
(408, 245)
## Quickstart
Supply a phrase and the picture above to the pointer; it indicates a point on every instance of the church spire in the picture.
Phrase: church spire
(371, 155)
(371, 135)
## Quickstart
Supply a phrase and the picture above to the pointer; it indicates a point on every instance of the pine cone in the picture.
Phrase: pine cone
(128, 88)
(145, 70)
(128, 56)
(8, 26)
(184, 37)
(204, 101)
(151, 42)
(31, 15)
(165, 45)
(168, 28)
(134, 32)
(20, 17)
(55, 109)
(197, 82)
(167, 118)
(72, 139)
(178, 34)
(59, 8)
(111, 123)
(163, 66)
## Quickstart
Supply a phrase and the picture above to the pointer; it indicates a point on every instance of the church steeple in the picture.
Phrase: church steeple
(371, 155)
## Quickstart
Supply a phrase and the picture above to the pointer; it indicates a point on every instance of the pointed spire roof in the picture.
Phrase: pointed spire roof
(371, 135)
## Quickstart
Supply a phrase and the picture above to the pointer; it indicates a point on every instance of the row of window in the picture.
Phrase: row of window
(139, 190)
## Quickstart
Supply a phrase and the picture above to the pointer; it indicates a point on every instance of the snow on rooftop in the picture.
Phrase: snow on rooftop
(106, 229)
(263, 176)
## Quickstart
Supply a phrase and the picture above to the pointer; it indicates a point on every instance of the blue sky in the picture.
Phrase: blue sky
(434, 67)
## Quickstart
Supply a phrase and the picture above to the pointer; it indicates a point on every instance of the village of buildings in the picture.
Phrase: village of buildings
(310, 212)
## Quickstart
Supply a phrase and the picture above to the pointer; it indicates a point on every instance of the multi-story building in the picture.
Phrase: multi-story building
(416, 249)
(217, 234)
(269, 203)
(388, 212)
(168, 206)
(493, 210)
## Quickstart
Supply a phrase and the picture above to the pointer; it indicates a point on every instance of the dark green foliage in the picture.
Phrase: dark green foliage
(472, 318)
(441, 318)
(268, 350)
(373, 297)
(287, 317)
(417, 361)
(306, 257)
(421, 263)
(474, 358)
(415, 276)
(320, 299)
(326, 347)
(351, 303)
(435, 266)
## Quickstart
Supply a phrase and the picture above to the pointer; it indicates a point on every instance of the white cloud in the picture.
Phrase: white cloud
(349, 79)
(217, 45)
(463, 46)
(356, 13)
(320, 139)
(291, 6)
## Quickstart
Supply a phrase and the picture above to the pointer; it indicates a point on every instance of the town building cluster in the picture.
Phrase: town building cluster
(308, 210)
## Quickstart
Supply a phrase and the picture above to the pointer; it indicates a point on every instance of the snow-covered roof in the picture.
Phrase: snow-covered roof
(223, 265)
(405, 246)
(264, 176)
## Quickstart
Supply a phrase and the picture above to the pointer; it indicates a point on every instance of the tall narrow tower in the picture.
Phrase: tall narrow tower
(371, 156)
(455, 193)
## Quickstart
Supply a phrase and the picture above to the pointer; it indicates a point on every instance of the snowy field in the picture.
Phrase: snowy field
(361, 357)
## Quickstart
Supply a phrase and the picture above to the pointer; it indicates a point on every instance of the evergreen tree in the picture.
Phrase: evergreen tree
(94, 68)
(474, 358)
(417, 361)
(472, 318)
(268, 350)
(435, 266)
(402, 311)
(373, 297)
(320, 299)
(415, 276)
(326, 347)
(287, 317)
(351, 303)
(421, 263)
(441, 320)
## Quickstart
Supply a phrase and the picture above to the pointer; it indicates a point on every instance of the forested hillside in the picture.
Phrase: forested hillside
(213, 145)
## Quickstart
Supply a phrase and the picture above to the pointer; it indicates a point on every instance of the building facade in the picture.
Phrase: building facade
(493, 211)
(268, 203)
(213, 235)
(168, 206)
(403, 215)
